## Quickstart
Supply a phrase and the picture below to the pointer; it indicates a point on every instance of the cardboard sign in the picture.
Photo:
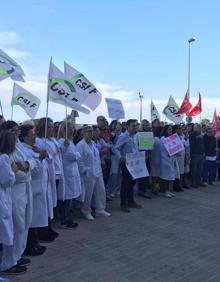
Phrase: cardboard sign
(145, 140)
(173, 144)
(135, 163)
(115, 108)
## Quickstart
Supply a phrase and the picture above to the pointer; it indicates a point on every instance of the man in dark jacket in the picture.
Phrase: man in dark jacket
(209, 169)
(197, 151)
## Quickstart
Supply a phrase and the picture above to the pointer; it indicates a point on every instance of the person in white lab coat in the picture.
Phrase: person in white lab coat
(168, 166)
(47, 234)
(91, 175)
(7, 179)
(39, 183)
(70, 156)
(21, 201)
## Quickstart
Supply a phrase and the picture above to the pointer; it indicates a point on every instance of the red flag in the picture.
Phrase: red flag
(215, 122)
(185, 106)
(197, 109)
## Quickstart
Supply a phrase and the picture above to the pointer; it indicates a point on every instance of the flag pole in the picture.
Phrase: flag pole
(12, 106)
(66, 122)
(1, 108)
(48, 85)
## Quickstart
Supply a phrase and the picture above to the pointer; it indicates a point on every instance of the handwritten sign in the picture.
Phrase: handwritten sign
(173, 144)
(115, 108)
(145, 140)
(135, 163)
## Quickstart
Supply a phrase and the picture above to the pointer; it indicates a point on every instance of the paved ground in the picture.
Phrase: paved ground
(169, 240)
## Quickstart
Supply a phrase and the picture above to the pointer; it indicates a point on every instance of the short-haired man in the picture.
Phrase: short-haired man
(125, 145)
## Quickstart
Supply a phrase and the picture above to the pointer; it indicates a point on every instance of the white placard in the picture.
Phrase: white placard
(135, 163)
(115, 108)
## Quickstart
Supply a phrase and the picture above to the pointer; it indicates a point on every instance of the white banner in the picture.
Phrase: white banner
(135, 163)
(62, 91)
(89, 95)
(26, 100)
(170, 111)
(9, 68)
(115, 108)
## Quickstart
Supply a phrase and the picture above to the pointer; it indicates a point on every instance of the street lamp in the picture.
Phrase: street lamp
(190, 40)
(141, 96)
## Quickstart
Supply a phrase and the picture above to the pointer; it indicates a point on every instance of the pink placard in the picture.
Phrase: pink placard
(173, 144)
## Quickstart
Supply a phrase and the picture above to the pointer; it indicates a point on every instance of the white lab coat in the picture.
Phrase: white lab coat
(55, 172)
(22, 205)
(91, 176)
(39, 184)
(167, 164)
(70, 156)
(7, 179)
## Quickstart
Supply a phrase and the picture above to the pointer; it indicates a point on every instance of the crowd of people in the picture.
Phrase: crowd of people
(51, 169)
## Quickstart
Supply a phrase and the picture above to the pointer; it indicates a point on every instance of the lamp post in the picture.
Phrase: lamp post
(141, 96)
(190, 40)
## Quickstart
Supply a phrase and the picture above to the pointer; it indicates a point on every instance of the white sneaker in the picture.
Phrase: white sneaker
(102, 214)
(172, 194)
(167, 195)
(88, 216)
(205, 183)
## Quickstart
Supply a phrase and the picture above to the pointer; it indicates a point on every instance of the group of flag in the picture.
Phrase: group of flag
(69, 88)
(72, 89)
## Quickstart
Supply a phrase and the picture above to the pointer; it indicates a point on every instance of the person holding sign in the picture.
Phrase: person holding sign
(144, 141)
(169, 166)
(125, 145)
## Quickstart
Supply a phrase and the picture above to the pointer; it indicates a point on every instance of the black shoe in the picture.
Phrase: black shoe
(46, 239)
(35, 251)
(15, 270)
(195, 186)
(53, 233)
(24, 262)
(145, 195)
(69, 224)
(178, 190)
(186, 187)
(124, 208)
(202, 185)
(108, 199)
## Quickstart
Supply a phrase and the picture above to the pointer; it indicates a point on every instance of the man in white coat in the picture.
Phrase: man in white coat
(91, 175)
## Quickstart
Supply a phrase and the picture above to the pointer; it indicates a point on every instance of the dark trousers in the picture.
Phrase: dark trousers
(64, 208)
(164, 185)
(218, 168)
(209, 171)
(196, 168)
(127, 186)
(143, 184)
(32, 239)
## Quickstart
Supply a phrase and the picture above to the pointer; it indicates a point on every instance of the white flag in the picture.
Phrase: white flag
(90, 96)
(170, 111)
(115, 108)
(9, 68)
(62, 91)
(26, 100)
(154, 112)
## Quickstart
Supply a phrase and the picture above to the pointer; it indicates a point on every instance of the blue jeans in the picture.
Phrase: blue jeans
(209, 171)
(196, 168)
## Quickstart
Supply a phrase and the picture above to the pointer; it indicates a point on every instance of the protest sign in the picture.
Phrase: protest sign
(145, 140)
(115, 109)
(135, 163)
(173, 144)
